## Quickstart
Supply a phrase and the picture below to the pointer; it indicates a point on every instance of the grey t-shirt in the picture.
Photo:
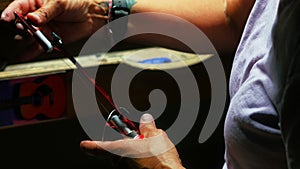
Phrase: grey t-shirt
(252, 132)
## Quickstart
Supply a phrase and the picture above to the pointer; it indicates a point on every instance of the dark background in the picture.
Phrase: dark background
(55, 144)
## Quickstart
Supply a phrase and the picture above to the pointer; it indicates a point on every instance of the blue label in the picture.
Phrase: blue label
(156, 60)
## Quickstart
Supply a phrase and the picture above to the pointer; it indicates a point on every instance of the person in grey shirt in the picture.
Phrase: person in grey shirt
(262, 121)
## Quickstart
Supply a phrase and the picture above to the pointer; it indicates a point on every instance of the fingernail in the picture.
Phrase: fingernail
(86, 141)
(83, 143)
(146, 118)
(20, 26)
(18, 37)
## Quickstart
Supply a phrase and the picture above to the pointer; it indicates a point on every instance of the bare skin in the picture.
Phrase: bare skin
(221, 20)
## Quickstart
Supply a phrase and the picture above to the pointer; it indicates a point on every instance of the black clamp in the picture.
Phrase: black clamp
(118, 10)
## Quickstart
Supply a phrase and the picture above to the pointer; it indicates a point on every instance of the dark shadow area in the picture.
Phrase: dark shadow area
(55, 144)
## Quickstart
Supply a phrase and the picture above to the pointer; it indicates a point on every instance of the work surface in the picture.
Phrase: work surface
(146, 58)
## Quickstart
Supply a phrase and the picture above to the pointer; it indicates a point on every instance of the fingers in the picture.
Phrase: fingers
(8, 15)
(92, 148)
(36, 11)
(28, 48)
(47, 12)
(31, 52)
(104, 148)
(133, 148)
(125, 148)
(20, 6)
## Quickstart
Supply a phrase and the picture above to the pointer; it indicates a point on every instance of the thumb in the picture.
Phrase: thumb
(46, 13)
(147, 125)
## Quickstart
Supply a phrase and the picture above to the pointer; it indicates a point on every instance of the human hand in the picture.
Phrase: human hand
(155, 151)
(72, 20)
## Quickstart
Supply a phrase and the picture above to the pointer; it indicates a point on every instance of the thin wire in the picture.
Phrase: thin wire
(127, 124)
(91, 80)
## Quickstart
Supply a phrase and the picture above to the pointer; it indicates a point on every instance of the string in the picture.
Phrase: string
(119, 122)
(71, 66)
(83, 74)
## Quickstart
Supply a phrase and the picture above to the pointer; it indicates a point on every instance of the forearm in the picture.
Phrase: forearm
(222, 21)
